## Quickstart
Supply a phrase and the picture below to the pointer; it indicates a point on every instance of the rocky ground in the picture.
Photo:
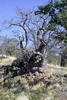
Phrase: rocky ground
(49, 85)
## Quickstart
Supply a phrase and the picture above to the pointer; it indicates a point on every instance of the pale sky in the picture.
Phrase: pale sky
(8, 8)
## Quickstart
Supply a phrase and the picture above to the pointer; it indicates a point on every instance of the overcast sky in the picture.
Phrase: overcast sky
(8, 7)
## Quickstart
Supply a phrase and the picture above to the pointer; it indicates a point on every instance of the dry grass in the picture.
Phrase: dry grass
(56, 68)
(7, 60)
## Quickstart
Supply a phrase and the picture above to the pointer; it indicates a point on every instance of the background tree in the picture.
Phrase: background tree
(19, 35)
(2, 50)
(9, 46)
(21, 21)
(57, 15)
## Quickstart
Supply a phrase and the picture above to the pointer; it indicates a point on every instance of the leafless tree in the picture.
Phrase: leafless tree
(22, 21)
(18, 34)
(35, 30)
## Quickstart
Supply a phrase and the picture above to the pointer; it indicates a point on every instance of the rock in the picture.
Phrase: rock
(37, 73)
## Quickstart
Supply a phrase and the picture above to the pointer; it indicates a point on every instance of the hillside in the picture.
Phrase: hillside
(49, 85)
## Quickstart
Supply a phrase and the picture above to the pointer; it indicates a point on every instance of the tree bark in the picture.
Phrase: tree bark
(64, 58)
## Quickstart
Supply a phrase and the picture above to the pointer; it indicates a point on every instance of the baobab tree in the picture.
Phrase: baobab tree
(35, 31)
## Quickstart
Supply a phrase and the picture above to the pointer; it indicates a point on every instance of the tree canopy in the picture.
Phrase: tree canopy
(57, 12)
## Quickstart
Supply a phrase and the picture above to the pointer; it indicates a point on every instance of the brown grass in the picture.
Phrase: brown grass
(7, 60)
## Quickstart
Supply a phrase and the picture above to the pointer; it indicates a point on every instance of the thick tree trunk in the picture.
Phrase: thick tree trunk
(21, 45)
(63, 61)
(64, 58)
(42, 50)
(32, 60)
